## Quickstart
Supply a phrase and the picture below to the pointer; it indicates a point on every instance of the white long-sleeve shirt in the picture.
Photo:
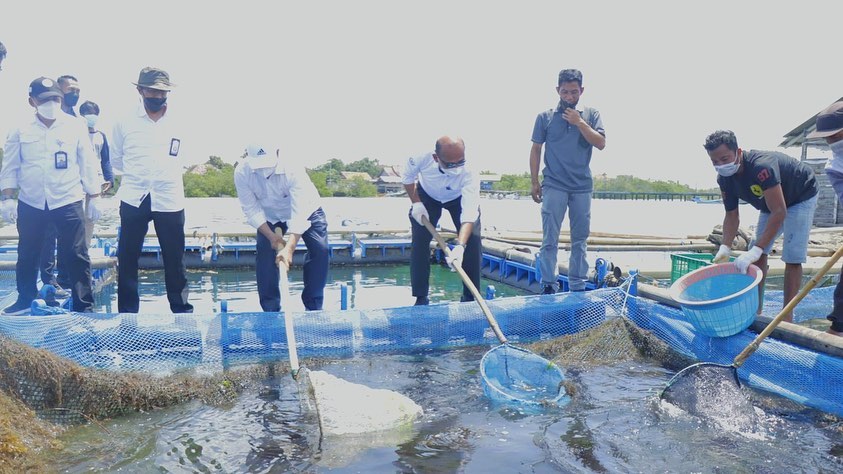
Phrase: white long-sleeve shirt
(52, 166)
(279, 194)
(444, 187)
(150, 156)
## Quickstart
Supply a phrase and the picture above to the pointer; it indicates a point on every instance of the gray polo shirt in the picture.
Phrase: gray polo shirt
(567, 154)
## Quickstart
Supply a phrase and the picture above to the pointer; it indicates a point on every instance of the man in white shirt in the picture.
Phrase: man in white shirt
(146, 147)
(52, 270)
(280, 195)
(436, 181)
(51, 161)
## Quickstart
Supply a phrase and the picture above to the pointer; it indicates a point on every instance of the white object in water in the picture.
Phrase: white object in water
(349, 408)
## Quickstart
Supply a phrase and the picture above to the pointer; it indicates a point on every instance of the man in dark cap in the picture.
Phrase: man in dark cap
(830, 127)
(52, 270)
(50, 160)
(147, 148)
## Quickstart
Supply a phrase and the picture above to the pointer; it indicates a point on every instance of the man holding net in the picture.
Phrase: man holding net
(276, 195)
(438, 181)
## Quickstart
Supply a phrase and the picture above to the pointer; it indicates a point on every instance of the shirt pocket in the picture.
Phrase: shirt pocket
(31, 148)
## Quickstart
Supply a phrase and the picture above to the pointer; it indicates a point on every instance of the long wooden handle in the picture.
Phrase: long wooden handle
(467, 281)
(284, 286)
(753, 346)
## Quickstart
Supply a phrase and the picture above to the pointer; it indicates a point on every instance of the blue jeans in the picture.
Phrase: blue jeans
(836, 316)
(315, 268)
(555, 203)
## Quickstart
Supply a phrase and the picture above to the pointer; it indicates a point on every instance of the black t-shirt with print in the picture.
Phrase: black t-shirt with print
(761, 171)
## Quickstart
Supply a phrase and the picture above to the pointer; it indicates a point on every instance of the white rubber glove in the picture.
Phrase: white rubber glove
(456, 257)
(723, 254)
(93, 212)
(10, 210)
(418, 211)
(748, 258)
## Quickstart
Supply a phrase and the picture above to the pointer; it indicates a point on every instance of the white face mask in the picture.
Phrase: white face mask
(91, 119)
(453, 171)
(49, 110)
(837, 149)
(728, 169)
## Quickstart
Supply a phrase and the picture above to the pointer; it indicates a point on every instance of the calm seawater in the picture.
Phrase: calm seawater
(367, 287)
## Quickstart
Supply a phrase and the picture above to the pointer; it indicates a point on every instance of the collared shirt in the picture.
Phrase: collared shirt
(149, 154)
(444, 187)
(567, 154)
(102, 151)
(280, 194)
(52, 166)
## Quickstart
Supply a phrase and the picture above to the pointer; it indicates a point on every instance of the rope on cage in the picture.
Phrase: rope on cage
(632, 276)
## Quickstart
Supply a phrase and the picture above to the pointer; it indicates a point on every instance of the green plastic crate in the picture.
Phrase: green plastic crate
(684, 263)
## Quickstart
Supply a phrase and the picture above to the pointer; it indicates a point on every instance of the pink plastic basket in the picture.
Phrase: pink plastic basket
(718, 300)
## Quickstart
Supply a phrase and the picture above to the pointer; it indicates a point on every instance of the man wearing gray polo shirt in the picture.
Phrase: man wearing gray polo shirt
(570, 134)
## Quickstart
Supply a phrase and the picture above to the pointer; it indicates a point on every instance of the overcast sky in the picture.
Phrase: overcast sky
(354, 79)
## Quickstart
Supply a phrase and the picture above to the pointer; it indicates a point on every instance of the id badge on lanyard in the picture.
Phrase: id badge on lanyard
(61, 160)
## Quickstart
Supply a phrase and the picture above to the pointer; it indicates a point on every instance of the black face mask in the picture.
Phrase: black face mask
(71, 99)
(154, 104)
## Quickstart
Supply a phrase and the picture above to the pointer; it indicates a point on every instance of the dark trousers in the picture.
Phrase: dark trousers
(836, 316)
(49, 264)
(420, 252)
(69, 221)
(315, 267)
(169, 226)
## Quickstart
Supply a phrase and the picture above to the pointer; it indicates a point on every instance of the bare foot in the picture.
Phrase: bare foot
(834, 333)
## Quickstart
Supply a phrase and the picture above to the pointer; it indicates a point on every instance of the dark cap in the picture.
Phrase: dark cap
(829, 121)
(44, 88)
(154, 78)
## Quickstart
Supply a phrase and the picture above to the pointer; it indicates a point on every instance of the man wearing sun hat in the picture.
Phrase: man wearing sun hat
(51, 162)
(276, 194)
(147, 148)
(830, 127)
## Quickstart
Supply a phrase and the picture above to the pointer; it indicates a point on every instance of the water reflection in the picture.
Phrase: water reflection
(368, 287)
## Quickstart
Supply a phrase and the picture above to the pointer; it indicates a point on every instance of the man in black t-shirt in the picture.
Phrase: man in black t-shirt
(783, 189)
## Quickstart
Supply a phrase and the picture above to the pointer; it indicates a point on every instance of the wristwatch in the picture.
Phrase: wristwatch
(4, 197)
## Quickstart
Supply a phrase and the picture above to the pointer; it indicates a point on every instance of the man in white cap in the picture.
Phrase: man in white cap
(276, 195)
(51, 161)
(147, 148)
(830, 127)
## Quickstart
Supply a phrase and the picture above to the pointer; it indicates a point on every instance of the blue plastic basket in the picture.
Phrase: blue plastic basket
(718, 300)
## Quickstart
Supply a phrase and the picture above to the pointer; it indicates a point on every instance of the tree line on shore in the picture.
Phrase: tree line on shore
(215, 178)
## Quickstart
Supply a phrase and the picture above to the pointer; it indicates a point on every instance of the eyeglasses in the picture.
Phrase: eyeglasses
(454, 164)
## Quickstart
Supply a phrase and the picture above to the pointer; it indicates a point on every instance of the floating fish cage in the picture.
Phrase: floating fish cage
(167, 343)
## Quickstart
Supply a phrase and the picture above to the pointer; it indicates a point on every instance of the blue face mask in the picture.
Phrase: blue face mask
(91, 119)
(728, 169)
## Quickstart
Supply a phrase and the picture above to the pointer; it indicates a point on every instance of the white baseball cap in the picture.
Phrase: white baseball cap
(259, 156)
